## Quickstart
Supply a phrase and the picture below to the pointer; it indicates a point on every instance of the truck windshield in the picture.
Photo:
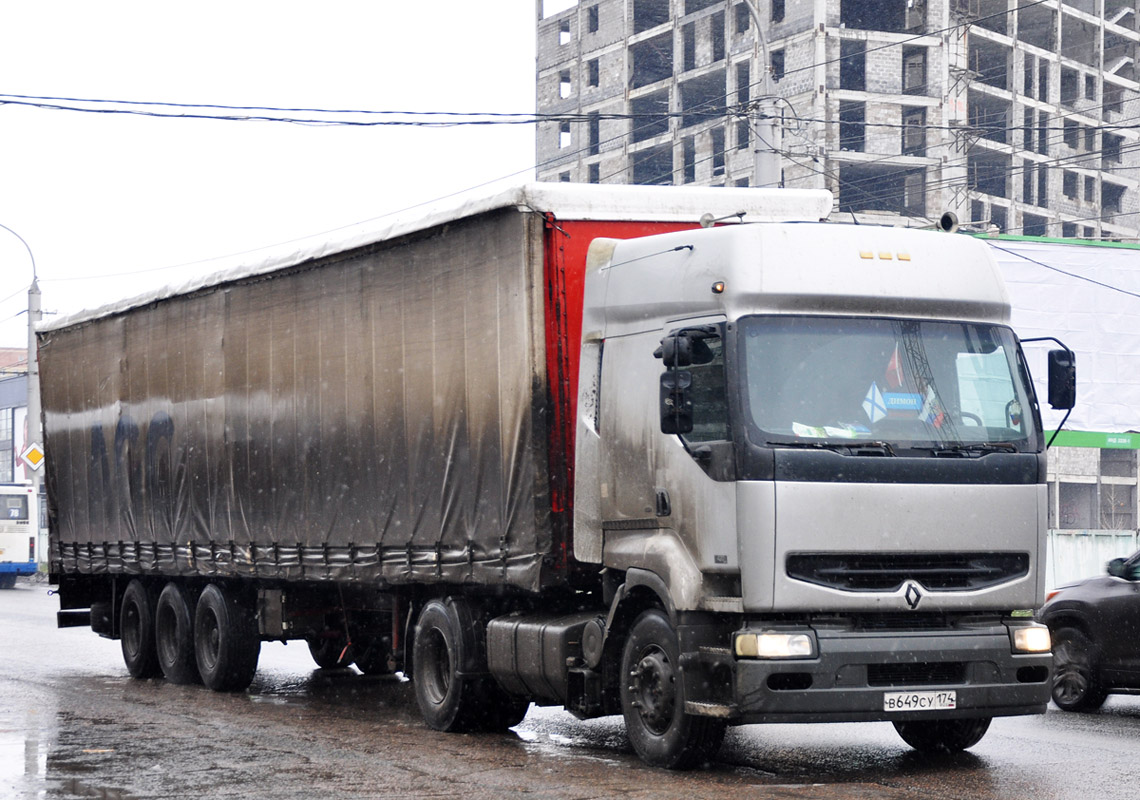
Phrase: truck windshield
(906, 383)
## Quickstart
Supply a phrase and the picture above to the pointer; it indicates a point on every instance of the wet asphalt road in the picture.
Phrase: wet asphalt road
(74, 725)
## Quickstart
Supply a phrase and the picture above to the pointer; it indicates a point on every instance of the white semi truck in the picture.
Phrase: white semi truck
(563, 445)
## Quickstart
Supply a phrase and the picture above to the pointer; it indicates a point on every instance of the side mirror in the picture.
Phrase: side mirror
(676, 402)
(1116, 568)
(1062, 379)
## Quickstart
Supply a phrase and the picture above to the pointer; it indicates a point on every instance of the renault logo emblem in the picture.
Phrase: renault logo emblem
(912, 596)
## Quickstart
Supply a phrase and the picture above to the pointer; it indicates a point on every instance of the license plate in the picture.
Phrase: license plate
(919, 701)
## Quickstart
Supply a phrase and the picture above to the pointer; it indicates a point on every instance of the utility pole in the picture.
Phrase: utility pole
(765, 128)
(35, 312)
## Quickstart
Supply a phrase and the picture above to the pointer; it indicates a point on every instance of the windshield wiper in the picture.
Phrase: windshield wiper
(854, 448)
(981, 449)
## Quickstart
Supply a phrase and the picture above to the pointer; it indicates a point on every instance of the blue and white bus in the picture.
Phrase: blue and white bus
(20, 523)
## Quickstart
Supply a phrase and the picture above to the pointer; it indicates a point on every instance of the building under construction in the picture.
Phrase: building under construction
(1014, 114)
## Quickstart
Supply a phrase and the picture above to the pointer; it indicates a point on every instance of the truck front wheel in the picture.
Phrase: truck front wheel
(226, 640)
(942, 735)
(136, 631)
(174, 635)
(653, 701)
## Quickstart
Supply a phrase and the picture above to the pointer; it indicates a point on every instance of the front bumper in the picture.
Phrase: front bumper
(852, 670)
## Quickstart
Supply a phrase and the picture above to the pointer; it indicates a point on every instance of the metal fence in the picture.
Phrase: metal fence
(1076, 554)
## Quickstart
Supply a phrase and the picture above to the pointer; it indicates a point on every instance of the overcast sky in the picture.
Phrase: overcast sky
(106, 201)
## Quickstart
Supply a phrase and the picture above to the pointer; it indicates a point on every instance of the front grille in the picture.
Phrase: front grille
(934, 673)
(888, 572)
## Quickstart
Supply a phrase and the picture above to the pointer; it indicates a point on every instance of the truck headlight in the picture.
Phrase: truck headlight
(1031, 639)
(771, 644)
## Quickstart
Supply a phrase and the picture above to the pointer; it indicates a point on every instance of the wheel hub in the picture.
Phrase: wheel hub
(653, 690)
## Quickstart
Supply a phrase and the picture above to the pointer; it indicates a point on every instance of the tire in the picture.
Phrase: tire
(452, 689)
(136, 631)
(8, 580)
(1075, 684)
(226, 640)
(174, 636)
(326, 651)
(943, 735)
(653, 701)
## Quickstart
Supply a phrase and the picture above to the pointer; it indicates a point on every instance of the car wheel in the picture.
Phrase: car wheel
(1075, 683)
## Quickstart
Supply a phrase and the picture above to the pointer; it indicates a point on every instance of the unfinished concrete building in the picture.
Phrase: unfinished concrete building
(1014, 114)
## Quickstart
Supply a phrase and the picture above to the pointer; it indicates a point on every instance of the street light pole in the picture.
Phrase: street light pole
(766, 164)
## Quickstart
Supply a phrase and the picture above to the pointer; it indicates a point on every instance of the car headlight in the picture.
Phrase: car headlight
(771, 644)
(1031, 639)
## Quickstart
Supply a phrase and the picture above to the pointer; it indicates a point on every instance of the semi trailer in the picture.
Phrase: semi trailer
(688, 455)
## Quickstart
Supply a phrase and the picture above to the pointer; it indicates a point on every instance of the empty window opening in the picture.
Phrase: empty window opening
(689, 160)
(703, 98)
(999, 217)
(592, 72)
(873, 15)
(1043, 133)
(1028, 89)
(689, 46)
(1090, 139)
(1090, 87)
(988, 173)
(914, 132)
(1069, 184)
(1080, 41)
(777, 10)
(650, 115)
(1111, 197)
(1072, 134)
(564, 138)
(743, 82)
(777, 65)
(1033, 225)
(594, 133)
(870, 187)
(652, 60)
(717, 152)
(852, 123)
(1043, 185)
(564, 32)
(564, 86)
(717, 35)
(653, 166)
(1090, 188)
(914, 193)
(742, 17)
(594, 173)
(1110, 147)
(1113, 97)
(989, 115)
(649, 14)
(564, 177)
(592, 19)
(743, 132)
(853, 65)
(1043, 79)
(1070, 86)
(1069, 230)
(1036, 25)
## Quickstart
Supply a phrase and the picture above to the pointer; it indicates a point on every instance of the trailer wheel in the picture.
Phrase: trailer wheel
(326, 650)
(174, 636)
(653, 702)
(942, 735)
(136, 631)
(445, 656)
(226, 640)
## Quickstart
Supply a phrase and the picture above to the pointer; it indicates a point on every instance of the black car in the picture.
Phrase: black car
(1096, 636)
